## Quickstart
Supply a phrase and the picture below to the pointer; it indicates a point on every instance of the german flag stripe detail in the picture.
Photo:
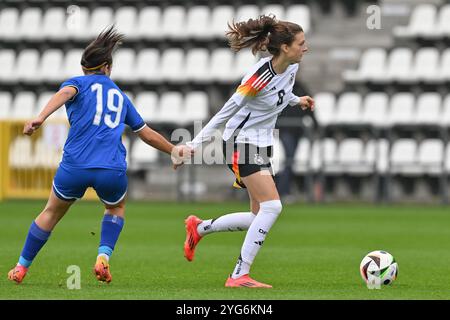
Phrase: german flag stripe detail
(257, 81)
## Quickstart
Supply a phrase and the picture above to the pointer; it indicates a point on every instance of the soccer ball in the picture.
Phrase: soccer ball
(378, 268)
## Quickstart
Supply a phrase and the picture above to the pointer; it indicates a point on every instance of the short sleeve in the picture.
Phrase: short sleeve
(133, 119)
(252, 83)
(74, 83)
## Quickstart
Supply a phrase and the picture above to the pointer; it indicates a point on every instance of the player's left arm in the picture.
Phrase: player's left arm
(56, 102)
(305, 102)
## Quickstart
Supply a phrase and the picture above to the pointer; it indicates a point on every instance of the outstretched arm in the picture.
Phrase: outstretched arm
(304, 102)
(156, 140)
(56, 102)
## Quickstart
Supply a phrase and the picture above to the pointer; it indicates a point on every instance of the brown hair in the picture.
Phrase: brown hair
(263, 33)
(99, 52)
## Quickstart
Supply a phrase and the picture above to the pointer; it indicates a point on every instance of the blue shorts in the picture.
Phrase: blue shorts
(70, 184)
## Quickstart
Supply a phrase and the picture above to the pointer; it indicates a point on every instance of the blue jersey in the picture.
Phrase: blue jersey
(97, 116)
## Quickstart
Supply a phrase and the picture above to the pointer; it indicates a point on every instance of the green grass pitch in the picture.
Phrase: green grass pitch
(312, 252)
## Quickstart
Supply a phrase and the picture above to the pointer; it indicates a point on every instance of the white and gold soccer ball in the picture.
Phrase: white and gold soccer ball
(378, 268)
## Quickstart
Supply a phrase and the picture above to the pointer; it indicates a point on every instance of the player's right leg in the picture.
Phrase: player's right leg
(38, 235)
(113, 197)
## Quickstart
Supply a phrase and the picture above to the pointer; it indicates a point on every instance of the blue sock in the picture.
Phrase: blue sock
(111, 228)
(36, 239)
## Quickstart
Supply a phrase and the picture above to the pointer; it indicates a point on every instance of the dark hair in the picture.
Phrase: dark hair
(263, 33)
(99, 52)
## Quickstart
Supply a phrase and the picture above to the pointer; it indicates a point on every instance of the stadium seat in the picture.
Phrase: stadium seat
(379, 150)
(403, 157)
(221, 65)
(352, 157)
(148, 65)
(276, 9)
(399, 65)
(23, 106)
(172, 65)
(444, 69)
(445, 113)
(279, 157)
(328, 155)
(27, 66)
(421, 23)
(147, 106)
(9, 22)
(431, 156)
(51, 65)
(302, 157)
(325, 105)
(170, 107)
(197, 65)
(220, 17)
(401, 109)
(372, 66)
(54, 24)
(426, 65)
(299, 13)
(124, 66)
(442, 28)
(149, 23)
(375, 109)
(428, 109)
(174, 22)
(348, 109)
(198, 23)
(101, 18)
(142, 155)
(5, 105)
(78, 23)
(246, 12)
(243, 60)
(7, 65)
(196, 107)
(72, 63)
(126, 22)
(30, 24)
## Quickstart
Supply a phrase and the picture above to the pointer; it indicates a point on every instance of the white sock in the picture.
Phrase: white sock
(256, 234)
(238, 221)
(104, 255)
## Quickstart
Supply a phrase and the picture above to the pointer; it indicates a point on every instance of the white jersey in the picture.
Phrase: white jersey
(252, 111)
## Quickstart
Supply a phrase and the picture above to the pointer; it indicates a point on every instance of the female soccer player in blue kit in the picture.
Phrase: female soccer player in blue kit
(93, 153)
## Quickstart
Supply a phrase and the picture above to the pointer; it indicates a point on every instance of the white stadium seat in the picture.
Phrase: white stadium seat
(126, 21)
(30, 24)
(221, 65)
(302, 157)
(124, 65)
(445, 111)
(101, 18)
(147, 106)
(149, 23)
(197, 65)
(244, 58)
(198, 23)
(246, 12)
(275, 9)
(142, 155)
(170, 107)
(78, 23)
(428, 109)
(444, 69)
(27, 66)
(51, 65)
(404, 156)
(400, 65)
(7, 65)
(220, 17)
(195, 107)
(172, 65)
(401, 109)
(348, 109)
(352, 157)
(426, 65)
(421, 23)
(54, 24)
(442, 27)
(173, 22)
(299, 13)
(325, 106)
(24, 106)
(72, 63)
(148, 65)
(431, 156)
(328, 155)
(9, 21)
(375, 109)
(5, 105)
(372, 66)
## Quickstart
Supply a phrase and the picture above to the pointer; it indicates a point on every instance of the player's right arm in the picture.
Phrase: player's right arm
(56, 102)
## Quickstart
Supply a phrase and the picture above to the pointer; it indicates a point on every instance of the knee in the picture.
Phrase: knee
(272, 206)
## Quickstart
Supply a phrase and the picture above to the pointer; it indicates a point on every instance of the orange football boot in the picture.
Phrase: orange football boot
(101, 270)
(192, 236)
(245, 281)
(17, 274)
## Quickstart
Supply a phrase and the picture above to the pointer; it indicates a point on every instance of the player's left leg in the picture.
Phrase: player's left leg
(113, 197)
(38, 235)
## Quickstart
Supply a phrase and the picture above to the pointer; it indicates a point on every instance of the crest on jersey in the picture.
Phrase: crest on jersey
(292, 78)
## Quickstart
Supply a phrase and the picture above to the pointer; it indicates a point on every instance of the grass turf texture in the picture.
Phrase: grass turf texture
(312, 252)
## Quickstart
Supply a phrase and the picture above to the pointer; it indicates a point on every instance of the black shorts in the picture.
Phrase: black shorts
(245, 159)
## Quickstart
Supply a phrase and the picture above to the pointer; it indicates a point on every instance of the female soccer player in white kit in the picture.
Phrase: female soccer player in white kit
(250, 116)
